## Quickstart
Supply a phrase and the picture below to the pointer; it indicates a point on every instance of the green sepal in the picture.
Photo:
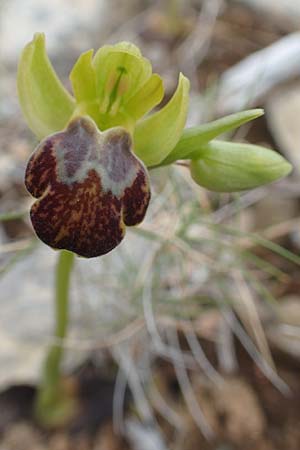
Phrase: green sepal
(46, 104)
(231, 167)
(157, 135)
(194, 137)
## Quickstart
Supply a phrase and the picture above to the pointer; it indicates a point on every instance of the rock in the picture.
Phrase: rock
(284, 334)
(22, 436)
(274, 209)
(295, 238)
(288, 9)
(251, 79)
(283, 111)
(106, 439)
(243, 417)
(26, 295)
(60, 441)
(143, 437)
(61, 22)
(232, 410)
(288, 310)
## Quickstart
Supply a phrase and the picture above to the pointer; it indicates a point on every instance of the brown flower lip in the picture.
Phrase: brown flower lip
(89, 186)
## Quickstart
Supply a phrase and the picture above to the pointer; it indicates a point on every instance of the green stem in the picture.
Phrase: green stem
(52, 405)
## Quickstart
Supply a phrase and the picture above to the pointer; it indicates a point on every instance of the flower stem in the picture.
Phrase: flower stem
(53, 406)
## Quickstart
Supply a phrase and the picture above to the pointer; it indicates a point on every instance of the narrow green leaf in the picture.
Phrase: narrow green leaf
(193, 138)
(146, 98)
(157, 135)
(230, 167)
(46, 104)
(83, 78)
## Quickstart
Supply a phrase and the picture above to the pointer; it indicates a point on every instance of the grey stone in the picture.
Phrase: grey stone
(283, 111)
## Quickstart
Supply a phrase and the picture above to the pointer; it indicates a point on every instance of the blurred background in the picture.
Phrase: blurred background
(188, 335)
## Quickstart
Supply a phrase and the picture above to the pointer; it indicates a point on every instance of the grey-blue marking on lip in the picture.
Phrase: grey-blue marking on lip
(83, 148)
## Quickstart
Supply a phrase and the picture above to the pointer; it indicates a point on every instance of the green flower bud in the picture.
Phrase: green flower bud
(230, 167)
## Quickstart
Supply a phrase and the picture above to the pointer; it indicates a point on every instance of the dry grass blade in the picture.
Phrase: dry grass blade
(201, 358)
(247, 343)
(246, 308)
(125, 361)
(119, 401)
(187, 389)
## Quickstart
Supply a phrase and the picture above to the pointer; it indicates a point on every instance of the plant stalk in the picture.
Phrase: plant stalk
(53, 406)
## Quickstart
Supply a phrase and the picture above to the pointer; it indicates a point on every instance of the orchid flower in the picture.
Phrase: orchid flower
(89, 173)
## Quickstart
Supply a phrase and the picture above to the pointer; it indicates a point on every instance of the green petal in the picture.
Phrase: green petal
(193, 138)
(157, 135)
(83, 78)
(147, 97)
(46, 104)
(231, 167)
(120, 72)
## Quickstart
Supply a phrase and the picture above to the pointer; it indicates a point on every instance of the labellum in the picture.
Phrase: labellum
(89, 185)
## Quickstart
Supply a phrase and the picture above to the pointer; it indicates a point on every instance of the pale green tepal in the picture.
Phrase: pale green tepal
(116, 87)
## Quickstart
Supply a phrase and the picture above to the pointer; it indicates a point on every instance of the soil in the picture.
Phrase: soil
(91, 428)
(246, 411)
